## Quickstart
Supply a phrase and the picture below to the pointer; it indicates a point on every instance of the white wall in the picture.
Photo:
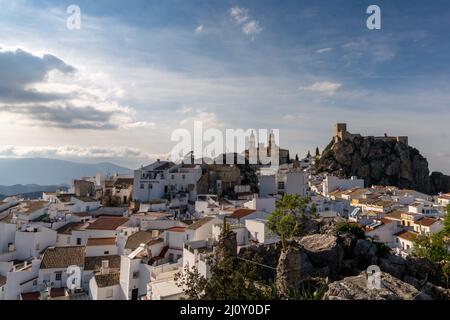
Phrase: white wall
(13, 289)
(106, 293)
(332, 183)
(97, 251)
(267, 185)
(7, 235)
(31, 244)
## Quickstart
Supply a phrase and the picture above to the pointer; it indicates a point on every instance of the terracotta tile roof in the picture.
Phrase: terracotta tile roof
(199, 223)
(101, 242)
(395, 215)
(407, 235)
(107, 280)
(241, 213)
(176, 229)
(107, 223)
(95, 263)
(426, 221)
(135, 240)
(68, 228)
(57, 292)
(31, 296)
(386, 221)
(28, 207)
(62, 257)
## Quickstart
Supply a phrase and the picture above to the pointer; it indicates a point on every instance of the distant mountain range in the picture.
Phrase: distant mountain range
(49, 172)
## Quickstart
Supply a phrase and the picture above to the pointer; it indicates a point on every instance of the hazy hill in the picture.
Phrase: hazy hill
(52, 172)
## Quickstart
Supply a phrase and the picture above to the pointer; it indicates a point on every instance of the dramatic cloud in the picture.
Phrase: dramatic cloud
(241, 17)
(327, 88)
(20, 69)
(45, 91)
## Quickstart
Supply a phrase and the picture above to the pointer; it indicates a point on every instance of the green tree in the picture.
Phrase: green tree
(431, 247)
(445, 267)
(231, 277)
(286, 220)
(192, 282)
(446, 229)
(351, 227)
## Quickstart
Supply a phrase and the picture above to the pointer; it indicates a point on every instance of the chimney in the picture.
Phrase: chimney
(105, 267)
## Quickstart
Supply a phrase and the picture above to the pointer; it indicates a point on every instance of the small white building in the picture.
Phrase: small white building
(31, 240)
(55, 261)
(332, 183)
(150, 182)
(259, 232)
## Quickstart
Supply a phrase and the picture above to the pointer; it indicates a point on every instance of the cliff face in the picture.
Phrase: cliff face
(381, 162)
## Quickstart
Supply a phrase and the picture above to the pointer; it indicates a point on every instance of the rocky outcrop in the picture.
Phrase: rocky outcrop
(292, 269)
(357, 288)
(439, 183)
(324, 251)
(381, 162)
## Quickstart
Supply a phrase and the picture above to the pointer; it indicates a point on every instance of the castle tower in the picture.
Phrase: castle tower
(340, 131)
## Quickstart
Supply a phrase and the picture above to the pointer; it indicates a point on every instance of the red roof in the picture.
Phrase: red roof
(57, 292)
(241, 213)
(176, 229)
(107, 223)
(101, 242)
(31, 296)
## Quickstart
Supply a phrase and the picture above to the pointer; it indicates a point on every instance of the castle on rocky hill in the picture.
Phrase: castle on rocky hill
(341, 133)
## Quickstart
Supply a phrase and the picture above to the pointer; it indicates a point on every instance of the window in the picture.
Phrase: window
(68, 240)
(106, 252)
(407, 247)
(78, 241)
(173, 176)
(281, 185)
(183, 177)
(37, 246)
(150, 186)
(142, 186)
(135, 275)
(58, 276)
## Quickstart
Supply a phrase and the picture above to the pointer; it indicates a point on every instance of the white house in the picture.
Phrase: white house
(27, 211)
(96, 247)
(7, 237)
(259, 232)
(30, 241)
(332, 183)
(105, 286)
(261, 204)
(201, 229)
(150, 182)
(19, 278)
(427, 225)
(383, 230)
(285, 180)
(95, 265)
(55, 261)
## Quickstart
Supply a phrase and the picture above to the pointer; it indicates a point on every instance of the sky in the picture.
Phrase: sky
(135, 71)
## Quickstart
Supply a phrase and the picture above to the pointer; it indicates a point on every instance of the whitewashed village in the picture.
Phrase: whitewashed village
(132, 236)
